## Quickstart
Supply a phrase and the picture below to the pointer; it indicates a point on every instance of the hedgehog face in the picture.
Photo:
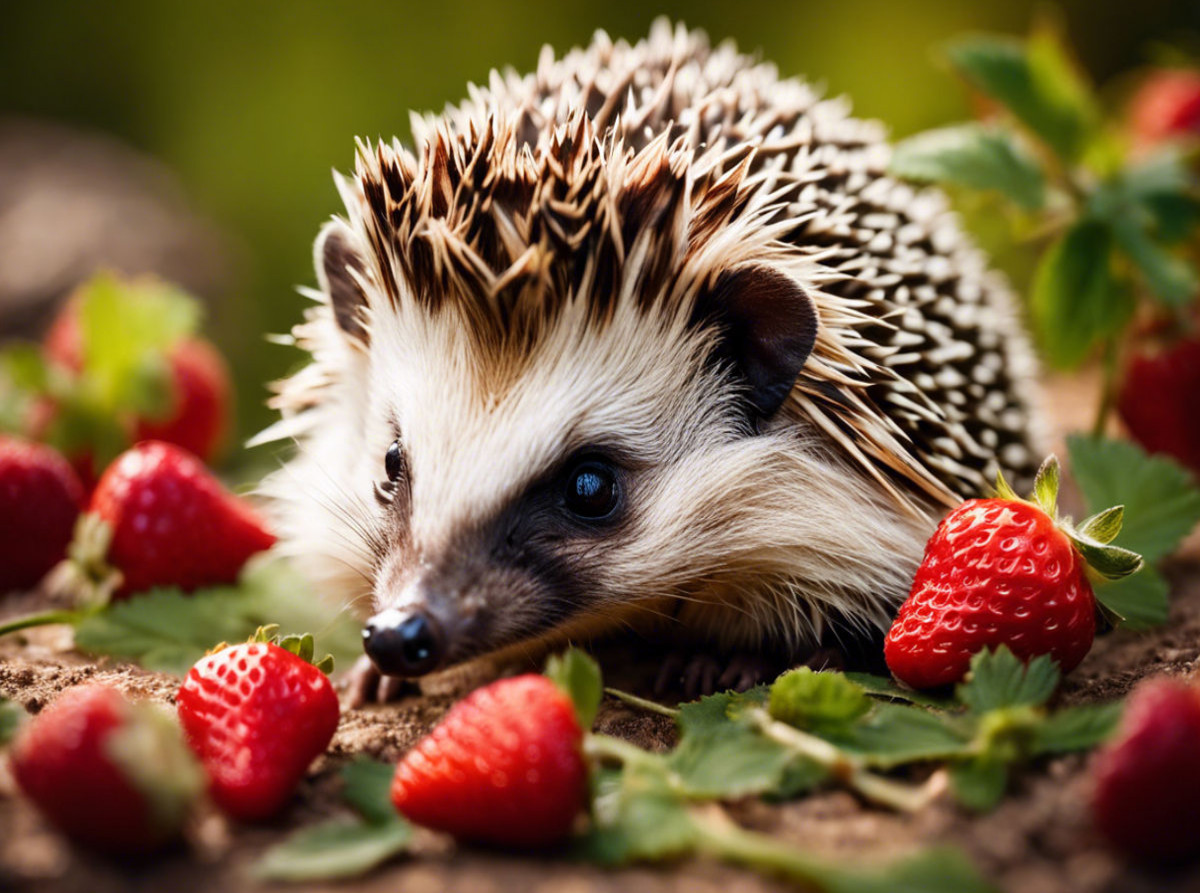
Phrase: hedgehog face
(517, 490)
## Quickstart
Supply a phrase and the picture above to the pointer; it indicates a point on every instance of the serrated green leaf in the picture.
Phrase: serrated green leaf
(882, 687)
(1137, 602)
(979, 784)
(1162, 504)
(11, 716)
(168, 630)
(367, 786)
(1104, 526)
(1034, 81)
(894, 734)
(814, 700)
(642, 819)
(1076, 299)
(974, 156)
(1076, 728)
(728, 762)
(999, 679)
(579, 677)
(799, 777)
(335, 849)
(708, 714)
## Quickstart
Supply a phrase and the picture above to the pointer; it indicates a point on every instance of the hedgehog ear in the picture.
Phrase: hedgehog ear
(769, 328)
(338, 264)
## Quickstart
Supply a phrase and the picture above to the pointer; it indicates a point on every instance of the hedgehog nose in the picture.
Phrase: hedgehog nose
(403, 644)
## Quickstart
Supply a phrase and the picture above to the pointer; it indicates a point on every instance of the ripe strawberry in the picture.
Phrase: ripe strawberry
(172, 522)
(257, 715)
(1157, 401)
(108, 773)
(1166, 106)
(40, 498)
(1147, 780)
(504, 766)
(201, 391)
(198, 420)
(1004, 571)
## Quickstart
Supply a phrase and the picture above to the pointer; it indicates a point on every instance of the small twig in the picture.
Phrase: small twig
(43, 618)
(1107, 389)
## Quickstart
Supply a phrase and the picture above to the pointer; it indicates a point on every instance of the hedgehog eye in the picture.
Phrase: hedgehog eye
(592, 490)
(393, 462)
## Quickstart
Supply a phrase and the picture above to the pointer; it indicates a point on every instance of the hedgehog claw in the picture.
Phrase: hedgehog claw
(703, 674)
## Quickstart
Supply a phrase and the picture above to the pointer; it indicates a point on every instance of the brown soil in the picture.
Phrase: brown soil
(1039, 839)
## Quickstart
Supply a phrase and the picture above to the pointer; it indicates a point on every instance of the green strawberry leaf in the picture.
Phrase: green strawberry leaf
(728, 762)
(638, 817)
(12, 715)
(1169, 278)
(894, 734)
(367, 786)
(712, 713)
(799, 777)
(1076, 728)
(1137, 602)
(882, 687)
(168, 630)
(935, 870)
(340, 848)
(814, 701)
(974, 156)
(579, 678)
(979, 783)
(999, 679)
(1162, 504)
(1076, 299)
(1036, 82)
(1104, 526)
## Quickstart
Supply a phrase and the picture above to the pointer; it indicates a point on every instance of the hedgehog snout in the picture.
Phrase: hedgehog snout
(404, 643)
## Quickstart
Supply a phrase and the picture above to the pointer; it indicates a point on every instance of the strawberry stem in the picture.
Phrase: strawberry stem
(1107, 389)
(852, 771)
(643, 703)
(44, 618)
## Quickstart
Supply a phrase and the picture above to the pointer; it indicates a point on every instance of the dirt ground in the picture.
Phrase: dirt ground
(1039, 840)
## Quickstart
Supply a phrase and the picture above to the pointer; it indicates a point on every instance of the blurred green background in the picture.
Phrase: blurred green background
(252, 104)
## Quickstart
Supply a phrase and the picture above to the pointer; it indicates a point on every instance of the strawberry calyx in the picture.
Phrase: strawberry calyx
(1092, 537)
(301, 645)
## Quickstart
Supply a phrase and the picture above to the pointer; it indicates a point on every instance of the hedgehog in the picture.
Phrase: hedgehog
(645, 341)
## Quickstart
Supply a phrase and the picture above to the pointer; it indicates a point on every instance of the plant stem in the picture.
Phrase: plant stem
(720, 838)
(617, 749)
(1107, 389)
(850, 770)
(45, 618)
(643, 703)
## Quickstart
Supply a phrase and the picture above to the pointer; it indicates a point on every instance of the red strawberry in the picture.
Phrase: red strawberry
(109, 774)
(257, 715)
(201, 391)
(1004, 572)
(1157, 401)
(40, 498)
(1166, 106)
(198, 420)
(504, 766)
(172, 522)
(1147, 781)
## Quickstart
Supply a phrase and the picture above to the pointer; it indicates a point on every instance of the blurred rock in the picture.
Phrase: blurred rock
(72, 202)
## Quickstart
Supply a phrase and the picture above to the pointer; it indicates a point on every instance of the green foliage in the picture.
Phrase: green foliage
(882, 687)
(169, 630)
(810, 700)
(1077, 299)
(731, 760)
(973, 156)
(579, 677)
(1076, 728)
(1036, 82)
(367, 786)
(979, 783)
(998, 679)
(339, 848)
(895, 734)
(343, 848)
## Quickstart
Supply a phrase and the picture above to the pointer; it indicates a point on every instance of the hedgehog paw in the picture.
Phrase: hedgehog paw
(366, 685)
(704, 674)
